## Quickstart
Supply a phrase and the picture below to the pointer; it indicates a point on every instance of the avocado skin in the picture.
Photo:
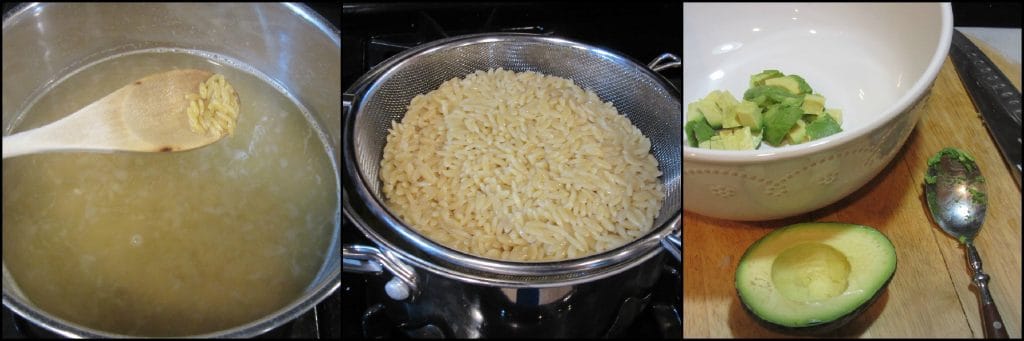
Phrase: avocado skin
(819, 329)
(823, 328)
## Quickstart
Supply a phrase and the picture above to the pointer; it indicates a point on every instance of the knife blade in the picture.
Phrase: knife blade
(994, 97)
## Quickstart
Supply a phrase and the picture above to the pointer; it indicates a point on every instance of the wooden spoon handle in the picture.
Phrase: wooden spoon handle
(78, 131)
(29, 142)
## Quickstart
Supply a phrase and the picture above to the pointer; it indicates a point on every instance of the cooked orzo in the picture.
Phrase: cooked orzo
(520, 166)
(215, 108)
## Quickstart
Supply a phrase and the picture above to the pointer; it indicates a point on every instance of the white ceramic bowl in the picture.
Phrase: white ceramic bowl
(875, 61)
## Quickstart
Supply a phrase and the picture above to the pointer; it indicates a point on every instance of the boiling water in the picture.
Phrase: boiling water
(165, 244)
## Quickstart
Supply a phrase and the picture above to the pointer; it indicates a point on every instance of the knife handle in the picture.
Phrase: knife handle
(991, 320)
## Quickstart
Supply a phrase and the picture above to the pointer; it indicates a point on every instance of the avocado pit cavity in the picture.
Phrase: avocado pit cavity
(811, 272)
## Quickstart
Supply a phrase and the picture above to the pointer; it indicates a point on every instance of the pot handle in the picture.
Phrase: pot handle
(660, 63)
(673, 243)
(372, 260)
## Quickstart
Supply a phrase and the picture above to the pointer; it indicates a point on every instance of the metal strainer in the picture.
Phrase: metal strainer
(383, 94)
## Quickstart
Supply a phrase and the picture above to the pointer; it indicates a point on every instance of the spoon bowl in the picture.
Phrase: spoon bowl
(147, 115)
(955, 191)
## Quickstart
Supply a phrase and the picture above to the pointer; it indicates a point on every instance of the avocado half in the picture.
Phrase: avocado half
(813, 278)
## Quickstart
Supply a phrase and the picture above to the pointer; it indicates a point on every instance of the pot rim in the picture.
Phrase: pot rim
(651, 248)
(259, 326)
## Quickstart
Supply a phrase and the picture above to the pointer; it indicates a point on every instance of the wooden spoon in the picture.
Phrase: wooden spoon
(147, 115)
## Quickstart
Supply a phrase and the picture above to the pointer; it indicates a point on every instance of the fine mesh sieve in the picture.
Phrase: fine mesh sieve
(382, 96)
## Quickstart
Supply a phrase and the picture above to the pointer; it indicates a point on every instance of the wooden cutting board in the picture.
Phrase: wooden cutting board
(931, 294)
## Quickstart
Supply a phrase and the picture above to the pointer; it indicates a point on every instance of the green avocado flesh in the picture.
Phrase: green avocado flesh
(965, 159)
(778, 109)
(807, 276)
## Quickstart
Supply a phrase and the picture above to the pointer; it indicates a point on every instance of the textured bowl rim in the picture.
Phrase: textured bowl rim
(901, 105)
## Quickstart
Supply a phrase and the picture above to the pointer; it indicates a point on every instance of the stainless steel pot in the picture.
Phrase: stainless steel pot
(462, 295)
(289, 43)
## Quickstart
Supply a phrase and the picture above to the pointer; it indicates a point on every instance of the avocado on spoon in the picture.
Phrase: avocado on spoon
(955, 191)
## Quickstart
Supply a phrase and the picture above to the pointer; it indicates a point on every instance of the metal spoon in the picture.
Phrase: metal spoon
(955, 191)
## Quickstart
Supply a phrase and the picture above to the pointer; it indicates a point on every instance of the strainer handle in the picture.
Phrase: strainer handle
(660, 63)
(372, 260)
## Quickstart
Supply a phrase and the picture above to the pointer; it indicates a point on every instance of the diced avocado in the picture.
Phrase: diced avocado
(776, 108)
(760, 100)
(766, 95)
(749, 115)
(821, 127)
(733, 139)
(797, 134)
(729, 119)
(703, 131)
(795, 101)
(729, 142)
(758, 79)
(698, 131)
(691, 137)
(738, 139)
(808, 118)
(793, 83)
(787, 82)
(715, 142)
(813, 104)
(769, 111)
(804, 87)
(779, 122)
(836, 114)
(712, 113)
(715, 106)
(693, 115)
(693, 112)
(725, 99)
(813, 278)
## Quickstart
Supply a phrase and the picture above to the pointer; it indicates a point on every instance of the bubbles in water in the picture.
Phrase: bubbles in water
(136, 240)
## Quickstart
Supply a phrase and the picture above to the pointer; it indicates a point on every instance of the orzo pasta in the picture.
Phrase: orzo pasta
(520, 166)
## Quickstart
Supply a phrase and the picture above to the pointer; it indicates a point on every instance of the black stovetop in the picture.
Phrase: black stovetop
(371, 33)
(323, 321)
